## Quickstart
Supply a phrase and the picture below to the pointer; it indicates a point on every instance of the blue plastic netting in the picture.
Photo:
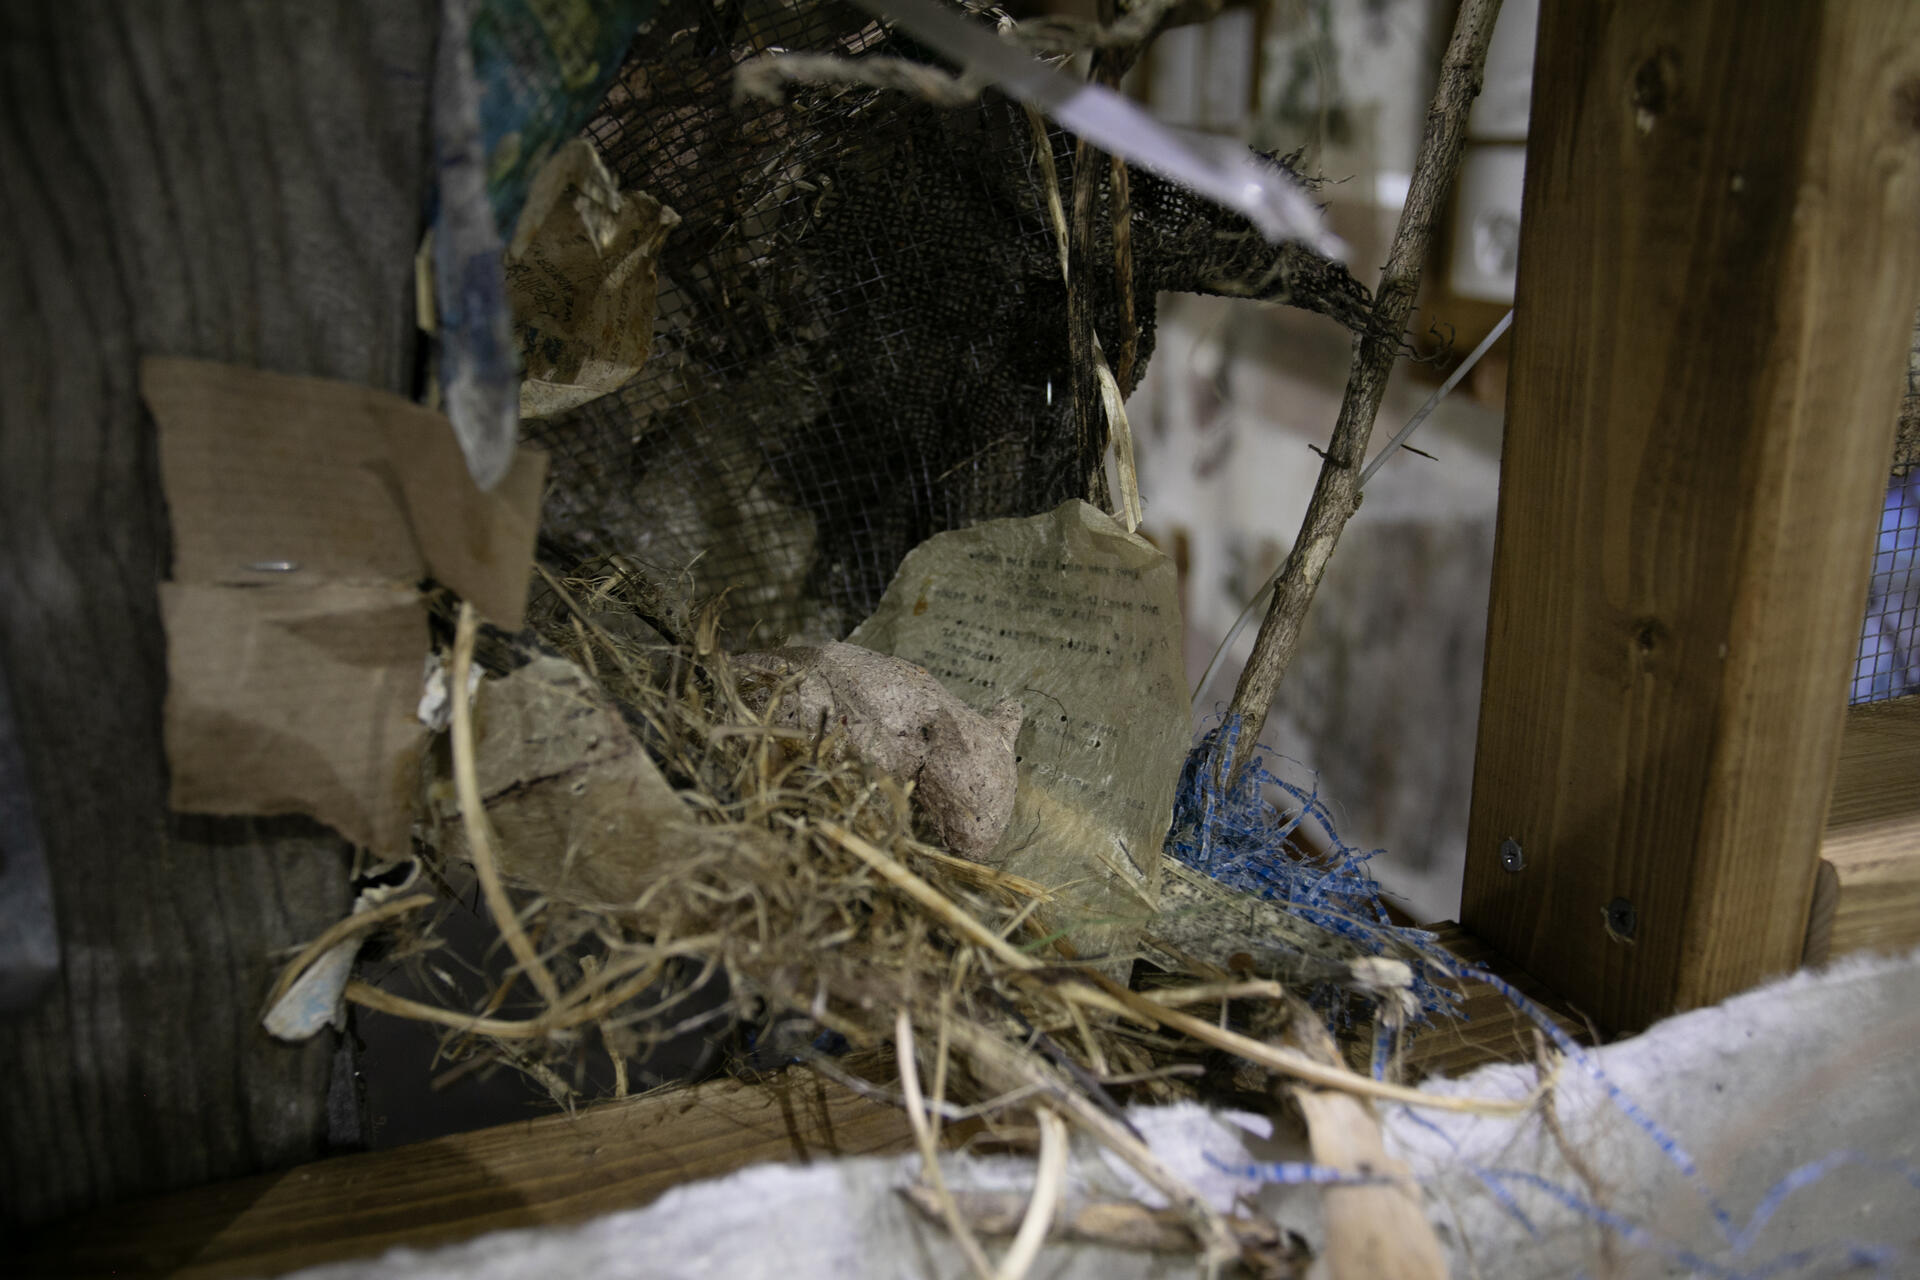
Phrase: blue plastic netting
(1245, 831)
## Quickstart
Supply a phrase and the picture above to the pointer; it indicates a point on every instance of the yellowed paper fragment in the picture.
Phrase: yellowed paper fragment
(581, 280)
(1080, 621)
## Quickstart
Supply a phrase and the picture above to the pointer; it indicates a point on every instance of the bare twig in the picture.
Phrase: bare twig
(1336, 496)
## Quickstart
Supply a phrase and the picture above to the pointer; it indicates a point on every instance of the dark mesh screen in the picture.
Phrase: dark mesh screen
(862, 337)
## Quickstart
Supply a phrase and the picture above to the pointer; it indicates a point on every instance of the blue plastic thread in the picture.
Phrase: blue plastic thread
(1235, 834)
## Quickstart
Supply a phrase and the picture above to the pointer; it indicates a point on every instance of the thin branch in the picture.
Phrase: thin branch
(1336, 496)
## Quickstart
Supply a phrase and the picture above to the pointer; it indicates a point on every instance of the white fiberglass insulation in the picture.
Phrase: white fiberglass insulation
(1796, 1106)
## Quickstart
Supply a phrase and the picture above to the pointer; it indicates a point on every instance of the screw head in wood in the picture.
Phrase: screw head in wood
(1621, 920)
(1511, 857)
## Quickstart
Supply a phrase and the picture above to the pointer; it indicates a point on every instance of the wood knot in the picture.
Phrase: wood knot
(1906, 104)
(1656, 84)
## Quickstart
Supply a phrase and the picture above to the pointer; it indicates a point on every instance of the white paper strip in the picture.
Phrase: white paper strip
(1221, 169)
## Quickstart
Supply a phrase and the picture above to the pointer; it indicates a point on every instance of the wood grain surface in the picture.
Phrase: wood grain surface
(1719, 264)
(1867, 897)
(235, 180)
(552, 1170)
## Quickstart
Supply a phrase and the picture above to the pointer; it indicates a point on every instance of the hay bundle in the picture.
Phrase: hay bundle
(735, 869)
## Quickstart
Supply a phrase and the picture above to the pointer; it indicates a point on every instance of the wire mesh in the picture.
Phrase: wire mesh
(1889, 661)
(862, 333)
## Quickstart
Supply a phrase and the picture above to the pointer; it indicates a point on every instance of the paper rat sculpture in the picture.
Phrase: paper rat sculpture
(904, 723)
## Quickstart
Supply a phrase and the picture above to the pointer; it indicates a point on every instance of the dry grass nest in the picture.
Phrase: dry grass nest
(804, 887)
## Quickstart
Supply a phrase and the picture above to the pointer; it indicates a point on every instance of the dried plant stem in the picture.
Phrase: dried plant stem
(619, 1059)
(1336, 495)
(1295, 1064)
(562, 1017)
(927, 896)
(1085, 353)
(473, 815)
(1048, 1179)
(1006, 1064)
(1204, 993)
(585, 623)
(929, 1153)
(985, 876)
(338, 932)
(372, 997)
(1089, 417)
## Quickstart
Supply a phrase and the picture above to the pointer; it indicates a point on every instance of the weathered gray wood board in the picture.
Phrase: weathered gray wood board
(236, 181)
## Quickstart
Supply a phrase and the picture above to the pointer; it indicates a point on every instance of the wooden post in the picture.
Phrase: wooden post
(1719, 261)
(212, 178)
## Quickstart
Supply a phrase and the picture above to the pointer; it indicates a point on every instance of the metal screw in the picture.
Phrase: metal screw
(1621, 920)
(1510, 856)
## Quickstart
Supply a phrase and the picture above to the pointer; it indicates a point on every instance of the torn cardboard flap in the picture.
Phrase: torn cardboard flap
(1080, 621)
(305, 513)
(271, 478)
(296, 699)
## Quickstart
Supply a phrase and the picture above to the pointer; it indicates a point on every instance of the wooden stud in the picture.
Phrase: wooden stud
(1867, 896)
(554, 1170)
(1719, 263)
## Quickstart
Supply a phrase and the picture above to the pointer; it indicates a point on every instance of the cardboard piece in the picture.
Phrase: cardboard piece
(582, 812)
(296, 699)
(582, 281)
(1080, 621)
(294, 481)
(305, 514)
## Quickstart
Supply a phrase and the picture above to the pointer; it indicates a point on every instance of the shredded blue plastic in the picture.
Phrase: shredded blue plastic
(1240, 834)
(1241, 830)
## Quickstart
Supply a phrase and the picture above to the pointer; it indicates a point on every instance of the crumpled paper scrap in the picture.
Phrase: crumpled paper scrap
(582, 281)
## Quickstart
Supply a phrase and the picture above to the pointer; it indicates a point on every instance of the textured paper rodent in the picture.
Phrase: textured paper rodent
(904, 723)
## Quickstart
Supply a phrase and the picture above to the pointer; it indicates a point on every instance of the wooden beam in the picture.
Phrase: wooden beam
(553, 1170)
(1718, 269)
(1490, 1028)
(214, 178)
(1867, 895)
